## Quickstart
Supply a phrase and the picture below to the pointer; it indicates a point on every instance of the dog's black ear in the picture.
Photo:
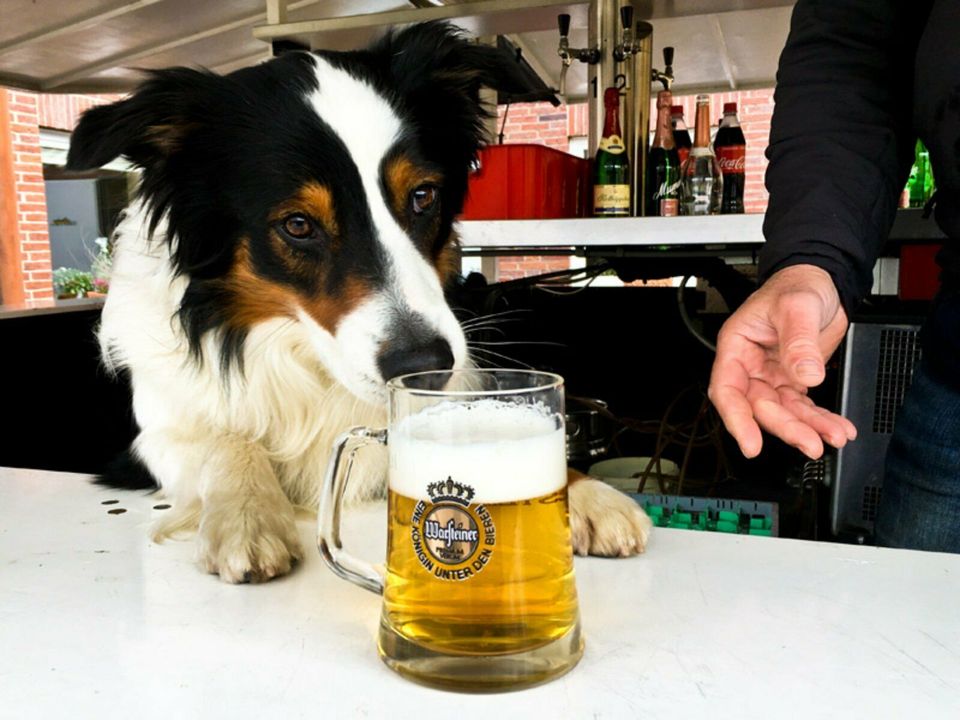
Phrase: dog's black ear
(148, 126)
(438, 53)
(438, 74)
(435, 57)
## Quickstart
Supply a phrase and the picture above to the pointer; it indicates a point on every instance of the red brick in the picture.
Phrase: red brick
(32, 207)
(26, 158)
(23, 128)
(33, 226)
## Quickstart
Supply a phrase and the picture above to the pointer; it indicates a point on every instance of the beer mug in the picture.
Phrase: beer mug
(479, 592)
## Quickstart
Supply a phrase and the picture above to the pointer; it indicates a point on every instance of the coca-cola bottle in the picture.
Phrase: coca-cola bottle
(663, 164)
(701, 181)
(681, 135)
(731, 150)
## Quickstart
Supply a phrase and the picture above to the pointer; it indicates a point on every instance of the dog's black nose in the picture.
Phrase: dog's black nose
(402, 359)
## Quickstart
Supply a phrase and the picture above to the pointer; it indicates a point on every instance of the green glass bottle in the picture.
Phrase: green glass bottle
(920, 183)
(663, 164)
(611, 173)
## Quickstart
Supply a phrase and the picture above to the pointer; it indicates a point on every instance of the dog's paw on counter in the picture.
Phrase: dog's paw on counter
(604, 521)
(242, 544)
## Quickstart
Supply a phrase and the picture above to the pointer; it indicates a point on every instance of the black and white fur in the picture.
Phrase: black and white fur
(286, 254)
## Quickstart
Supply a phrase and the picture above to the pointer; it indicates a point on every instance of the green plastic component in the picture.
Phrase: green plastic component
(710, 514)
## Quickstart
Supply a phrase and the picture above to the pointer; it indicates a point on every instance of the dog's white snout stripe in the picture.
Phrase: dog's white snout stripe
(369, 129)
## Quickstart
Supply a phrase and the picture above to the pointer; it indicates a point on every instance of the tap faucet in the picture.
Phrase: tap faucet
(665, 77)
(567, 54)
(629, 44)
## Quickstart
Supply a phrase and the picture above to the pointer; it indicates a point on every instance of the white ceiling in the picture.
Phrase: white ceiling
(97, 45)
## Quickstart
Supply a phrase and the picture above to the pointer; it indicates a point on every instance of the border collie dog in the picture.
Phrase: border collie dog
(286, 255)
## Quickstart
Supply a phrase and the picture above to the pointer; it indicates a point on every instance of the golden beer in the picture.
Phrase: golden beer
(513, 592)
(479, 591)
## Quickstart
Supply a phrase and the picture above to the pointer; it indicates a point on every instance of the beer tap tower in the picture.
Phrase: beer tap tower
(619, 54)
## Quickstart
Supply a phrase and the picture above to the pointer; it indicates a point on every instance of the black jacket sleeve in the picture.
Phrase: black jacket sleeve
(841, 142)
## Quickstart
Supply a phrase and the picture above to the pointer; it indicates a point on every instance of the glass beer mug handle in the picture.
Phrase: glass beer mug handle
(340, 561)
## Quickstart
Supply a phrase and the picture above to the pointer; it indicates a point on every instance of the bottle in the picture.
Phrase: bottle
(611, 170)
(681, 135)
(730, 148)
(920, 184)
(701, 181)
(663, 164)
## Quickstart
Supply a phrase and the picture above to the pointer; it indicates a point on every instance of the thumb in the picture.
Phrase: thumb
(799, 333)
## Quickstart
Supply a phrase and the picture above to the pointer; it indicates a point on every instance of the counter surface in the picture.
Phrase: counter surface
(96, 621)
(49, 307)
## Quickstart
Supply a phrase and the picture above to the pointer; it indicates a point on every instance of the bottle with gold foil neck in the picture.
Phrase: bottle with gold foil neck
(663, 164)
(701, 180)
(611, 170)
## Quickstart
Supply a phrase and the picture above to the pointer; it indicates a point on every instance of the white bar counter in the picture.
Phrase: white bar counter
(98, 622)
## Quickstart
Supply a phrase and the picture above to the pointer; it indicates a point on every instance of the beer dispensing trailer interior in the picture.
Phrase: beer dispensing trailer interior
(636, 359)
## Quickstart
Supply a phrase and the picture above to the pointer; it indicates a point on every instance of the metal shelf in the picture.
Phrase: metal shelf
(482, 18)
(722, 231)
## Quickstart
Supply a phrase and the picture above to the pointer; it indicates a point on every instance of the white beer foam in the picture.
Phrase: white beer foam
(506, 452)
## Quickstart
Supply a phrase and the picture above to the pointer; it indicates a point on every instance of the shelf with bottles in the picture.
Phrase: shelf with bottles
(743, 232)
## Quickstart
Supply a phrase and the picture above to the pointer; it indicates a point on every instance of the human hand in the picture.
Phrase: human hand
(769, 352)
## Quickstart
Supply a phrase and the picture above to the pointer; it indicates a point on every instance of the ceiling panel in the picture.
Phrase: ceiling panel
(719, 44)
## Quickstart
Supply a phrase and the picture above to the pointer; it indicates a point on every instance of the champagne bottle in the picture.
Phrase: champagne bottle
(663, 164)
(611, 170)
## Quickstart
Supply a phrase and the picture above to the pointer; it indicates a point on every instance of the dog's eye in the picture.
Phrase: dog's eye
(424, 198)
(298, 228)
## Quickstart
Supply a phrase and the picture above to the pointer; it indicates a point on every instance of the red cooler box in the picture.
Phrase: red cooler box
(527, 181)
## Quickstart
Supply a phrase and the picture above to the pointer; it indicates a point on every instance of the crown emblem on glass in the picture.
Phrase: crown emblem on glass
(450, 491)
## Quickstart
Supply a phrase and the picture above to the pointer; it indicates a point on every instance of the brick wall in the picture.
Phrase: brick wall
(32, 249)
(61, 112)
(539, 123)
(543, 124)
(29, 248)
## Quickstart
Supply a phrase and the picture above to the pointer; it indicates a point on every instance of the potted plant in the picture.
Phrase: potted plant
(71, 282)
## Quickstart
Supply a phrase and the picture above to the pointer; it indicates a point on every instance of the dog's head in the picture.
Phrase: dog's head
(317, 187)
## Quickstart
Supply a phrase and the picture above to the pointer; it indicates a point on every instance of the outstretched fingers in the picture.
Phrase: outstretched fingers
(729, 381)
(794, 418)
(832, 428)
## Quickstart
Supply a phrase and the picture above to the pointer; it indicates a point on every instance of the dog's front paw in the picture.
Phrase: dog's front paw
(604, 521)
(248, 544)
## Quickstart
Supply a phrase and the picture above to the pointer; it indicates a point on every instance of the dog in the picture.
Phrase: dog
(285, 255)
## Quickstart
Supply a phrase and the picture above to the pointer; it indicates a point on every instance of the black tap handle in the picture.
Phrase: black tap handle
(563, 22)
(626, 16)
(668, 56)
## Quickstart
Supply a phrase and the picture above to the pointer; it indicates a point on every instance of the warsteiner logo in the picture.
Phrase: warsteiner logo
(448, 533)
